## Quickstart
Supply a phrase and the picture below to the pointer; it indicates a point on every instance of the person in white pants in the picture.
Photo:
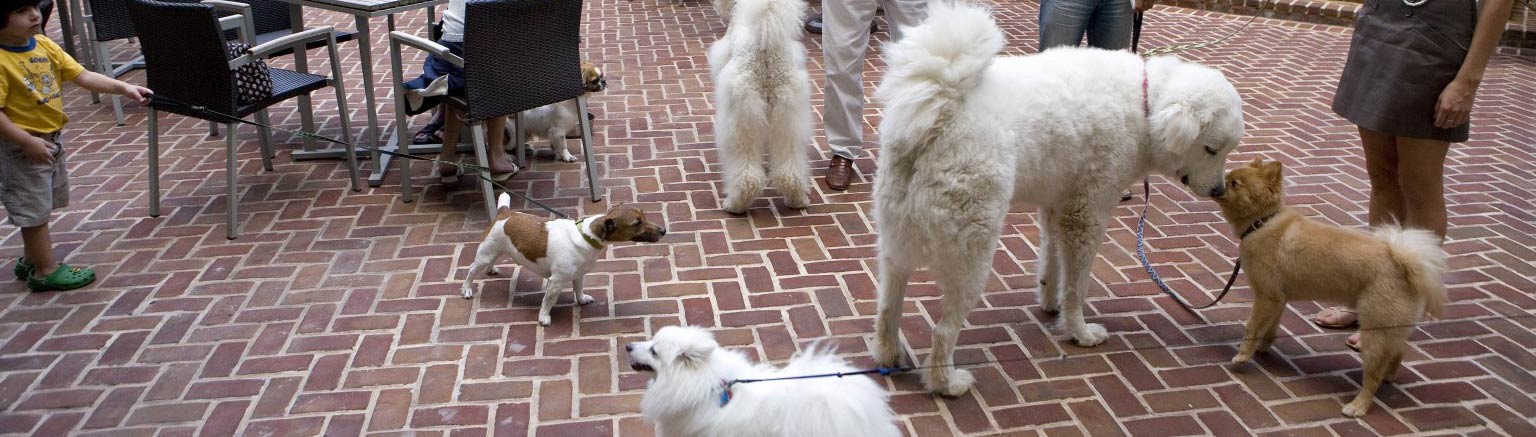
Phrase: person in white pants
(844, 40)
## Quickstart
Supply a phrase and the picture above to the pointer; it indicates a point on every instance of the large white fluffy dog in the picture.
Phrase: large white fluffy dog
(762, 102)
(968, 134)
(692, 373)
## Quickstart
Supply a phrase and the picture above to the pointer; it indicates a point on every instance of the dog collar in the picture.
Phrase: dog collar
(581, 227)
(1257, 224)
(725, 392)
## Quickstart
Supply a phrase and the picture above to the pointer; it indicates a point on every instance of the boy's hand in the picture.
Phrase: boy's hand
(139, 94)
(39, 151)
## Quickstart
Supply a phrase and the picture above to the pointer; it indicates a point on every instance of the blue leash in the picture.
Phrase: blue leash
(1141, 254)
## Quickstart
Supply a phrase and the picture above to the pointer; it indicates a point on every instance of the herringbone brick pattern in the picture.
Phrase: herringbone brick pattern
(336, 312)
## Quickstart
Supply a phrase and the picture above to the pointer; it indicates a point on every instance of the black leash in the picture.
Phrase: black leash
(466, 168)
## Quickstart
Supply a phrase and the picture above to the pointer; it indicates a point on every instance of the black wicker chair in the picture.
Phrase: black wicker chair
(185, 40)
(274, 20)
(107, 21)
(518, 55)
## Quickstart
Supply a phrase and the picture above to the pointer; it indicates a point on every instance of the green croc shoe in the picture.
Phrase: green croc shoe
(65, 278)
(23, 270)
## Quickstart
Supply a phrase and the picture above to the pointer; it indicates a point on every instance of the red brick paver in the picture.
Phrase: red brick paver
(337, 312)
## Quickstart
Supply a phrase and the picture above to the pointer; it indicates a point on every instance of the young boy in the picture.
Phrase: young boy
(440, 77)
(33, 179)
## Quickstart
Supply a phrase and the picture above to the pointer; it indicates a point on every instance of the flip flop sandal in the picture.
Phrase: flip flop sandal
(427, 138)
(1355, 345)
(1331, 312)
(23, 270)
(66, 277)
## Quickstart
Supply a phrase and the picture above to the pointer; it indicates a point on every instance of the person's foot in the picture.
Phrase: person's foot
(839, 172)
(449, 173)
(1126, 196)
(427, 135)
(504, 168)
(1336, 318)
(1353, 342)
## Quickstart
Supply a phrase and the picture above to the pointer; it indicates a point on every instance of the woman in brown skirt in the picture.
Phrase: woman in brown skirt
(1412, 74)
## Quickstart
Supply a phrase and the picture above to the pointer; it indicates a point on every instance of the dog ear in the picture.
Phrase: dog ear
(1175, 127)
(695, 353)
(1256, 162)
(1271, 173)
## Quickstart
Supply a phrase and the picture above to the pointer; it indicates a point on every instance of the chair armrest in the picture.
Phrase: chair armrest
(398, 38)
(232, 22)
(296, 41)
(242, 13)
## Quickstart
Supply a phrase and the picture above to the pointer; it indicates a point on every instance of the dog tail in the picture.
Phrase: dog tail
(933, 68)
(504, 201)
(771, 20)
(1420, 255)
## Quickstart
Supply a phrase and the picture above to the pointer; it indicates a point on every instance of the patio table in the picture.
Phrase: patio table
(363, 10)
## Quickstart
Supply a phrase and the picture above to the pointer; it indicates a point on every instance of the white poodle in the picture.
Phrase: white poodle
(762, 102)
(689, 396)
(967, 135)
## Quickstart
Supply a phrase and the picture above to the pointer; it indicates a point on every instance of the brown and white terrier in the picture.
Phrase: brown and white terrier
(1392, 275)
(561, 251)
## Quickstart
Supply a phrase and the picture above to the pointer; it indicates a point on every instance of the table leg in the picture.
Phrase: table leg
(301, 63)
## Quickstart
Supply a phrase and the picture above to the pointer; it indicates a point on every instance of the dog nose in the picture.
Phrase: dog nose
(663, 232)
(1218, 191)
(1184, 180)
(630, 347)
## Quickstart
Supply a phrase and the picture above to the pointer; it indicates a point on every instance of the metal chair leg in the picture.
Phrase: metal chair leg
(154, 163)
(586, 147)
(487, 191)
(230, 174)
(517, 140)
(266, 139)
(213, 129)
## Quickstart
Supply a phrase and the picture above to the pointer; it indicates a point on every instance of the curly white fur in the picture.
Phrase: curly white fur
(967, 135)
(684, 398)
(762, 103)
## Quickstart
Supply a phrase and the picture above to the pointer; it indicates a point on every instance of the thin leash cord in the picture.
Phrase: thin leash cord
(1136, 34)
(886, 371)
(467, 168)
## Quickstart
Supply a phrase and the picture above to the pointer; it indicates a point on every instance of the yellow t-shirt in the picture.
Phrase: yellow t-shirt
(31, 84)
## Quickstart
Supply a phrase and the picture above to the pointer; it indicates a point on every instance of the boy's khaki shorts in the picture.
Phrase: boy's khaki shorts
(29, 190)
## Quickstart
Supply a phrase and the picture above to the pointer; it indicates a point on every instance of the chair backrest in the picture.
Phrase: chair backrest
(270, 15)
(520, 55)
(111, 20)
(185, 58)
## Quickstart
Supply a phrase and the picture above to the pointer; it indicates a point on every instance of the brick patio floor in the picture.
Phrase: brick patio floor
(336, 312)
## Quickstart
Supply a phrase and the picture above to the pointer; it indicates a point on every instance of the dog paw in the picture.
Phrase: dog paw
(492, 270)
(951, 383)
(1241, 359)
(544, 320)
(735, 205)
(468, 293)
(1356, 409)
(887, 355)
(1050, 307)
(567, 157)
(798, 200)
(585, 299)
(1091, 334)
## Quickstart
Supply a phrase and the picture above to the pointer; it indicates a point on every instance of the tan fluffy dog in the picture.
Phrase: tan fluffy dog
(1392, 275)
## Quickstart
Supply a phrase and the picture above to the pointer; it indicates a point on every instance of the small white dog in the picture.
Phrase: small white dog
(762, 102)
(692, 395)
(967, 135)
(561, 251)
(554, 122)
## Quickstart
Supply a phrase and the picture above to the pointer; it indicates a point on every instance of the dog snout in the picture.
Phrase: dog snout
(1184, 180)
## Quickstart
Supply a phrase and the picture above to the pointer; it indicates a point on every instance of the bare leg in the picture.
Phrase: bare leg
(38, 248)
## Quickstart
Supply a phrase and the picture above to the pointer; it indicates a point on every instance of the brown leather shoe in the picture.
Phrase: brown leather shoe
(839, 172)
